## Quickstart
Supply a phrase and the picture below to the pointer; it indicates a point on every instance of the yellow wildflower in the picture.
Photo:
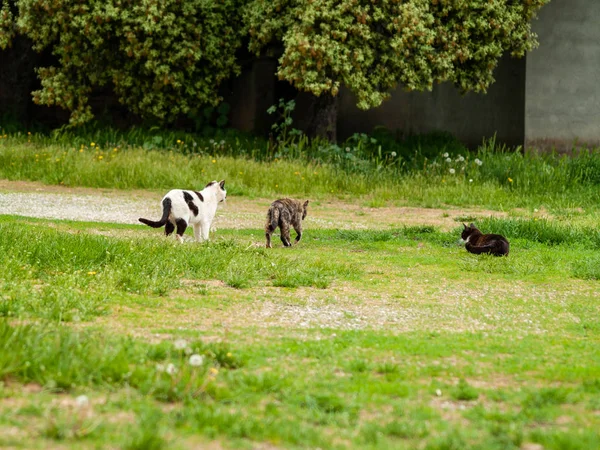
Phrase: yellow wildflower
(93, 144)
(510, 180)
(100, 157)
(214, 161)
(214, 371)
(92, 273)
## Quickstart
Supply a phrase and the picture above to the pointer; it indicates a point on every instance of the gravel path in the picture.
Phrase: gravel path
(114, 206)
(88, 208)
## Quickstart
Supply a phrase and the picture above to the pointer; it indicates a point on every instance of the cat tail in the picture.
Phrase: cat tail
(273, 219)
(166, 203)
(494, 248)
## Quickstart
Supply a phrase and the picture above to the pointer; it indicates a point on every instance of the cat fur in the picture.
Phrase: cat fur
(181, 208)
(283, 213)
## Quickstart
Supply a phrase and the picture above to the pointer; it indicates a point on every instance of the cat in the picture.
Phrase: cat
(182, 208)
(283, 213)
(476, 242)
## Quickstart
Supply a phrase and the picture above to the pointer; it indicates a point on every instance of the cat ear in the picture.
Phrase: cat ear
(222, 184)
(472, 225)
(464, 226)
(305, 204)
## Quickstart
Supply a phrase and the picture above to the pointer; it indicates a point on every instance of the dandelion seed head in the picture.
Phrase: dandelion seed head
(180, 344)
(445, 155)
(448, 160)
(171, 369)
(393, 154)
(82, 401)
(196, 360)
(452, 171)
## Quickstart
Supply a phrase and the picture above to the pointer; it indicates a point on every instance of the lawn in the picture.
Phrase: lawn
(377, 331)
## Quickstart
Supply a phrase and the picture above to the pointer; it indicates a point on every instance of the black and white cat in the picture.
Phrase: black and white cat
(182, 208)
(477, 242)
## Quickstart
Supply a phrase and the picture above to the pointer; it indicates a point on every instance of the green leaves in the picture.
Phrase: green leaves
(164, 59)
(161, 58)
(7, 25)
(370, 47)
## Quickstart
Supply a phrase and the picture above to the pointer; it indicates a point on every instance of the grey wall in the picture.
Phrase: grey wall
(563, 76)
(470, 118)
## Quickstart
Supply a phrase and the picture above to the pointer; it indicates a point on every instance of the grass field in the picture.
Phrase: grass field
(383, 335)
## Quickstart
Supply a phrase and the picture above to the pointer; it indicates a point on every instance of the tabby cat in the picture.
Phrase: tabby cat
(476, 242)
(283, 213)
(182, 208)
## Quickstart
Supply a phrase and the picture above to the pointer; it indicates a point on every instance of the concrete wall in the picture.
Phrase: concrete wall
(563, 76)
(470, 118)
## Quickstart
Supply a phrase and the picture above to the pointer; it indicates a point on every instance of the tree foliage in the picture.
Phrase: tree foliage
(7, 25)
(163, 58)
(369, 46)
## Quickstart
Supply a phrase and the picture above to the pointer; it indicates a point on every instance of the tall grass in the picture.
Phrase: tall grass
(66, 277)
(431, 170)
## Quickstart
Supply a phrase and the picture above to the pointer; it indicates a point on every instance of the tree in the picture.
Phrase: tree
(163, 58)
(369, 46)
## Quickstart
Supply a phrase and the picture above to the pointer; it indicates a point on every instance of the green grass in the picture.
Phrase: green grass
(389, 337)
(505, 345)
(418, 174)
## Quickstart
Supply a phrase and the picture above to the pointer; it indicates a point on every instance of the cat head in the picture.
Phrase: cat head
(219, 188)
(304, 209)
(468, 231)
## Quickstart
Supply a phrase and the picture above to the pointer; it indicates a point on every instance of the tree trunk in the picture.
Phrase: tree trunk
(323, 122)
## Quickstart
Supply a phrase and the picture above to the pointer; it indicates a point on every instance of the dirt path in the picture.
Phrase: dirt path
(116, 206)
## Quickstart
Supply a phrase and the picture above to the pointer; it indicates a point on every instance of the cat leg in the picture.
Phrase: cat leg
(298, 234)
(197, 232)
(268, 236)
(169, 228)
(181, 226)
(285, 234)
(205, 226)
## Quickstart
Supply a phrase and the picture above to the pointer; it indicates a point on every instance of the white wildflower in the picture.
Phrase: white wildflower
(171, 369)
(470, 180)
(438, 392)
(393, 154)
(82, 401)
(347, 149)
(452, 171)
(212, 141)
(222, 142)
(478, 161)
(196, 360)
(180, 344)
(460, 158)
(160, 367)
(445, 155)
(448, 160)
